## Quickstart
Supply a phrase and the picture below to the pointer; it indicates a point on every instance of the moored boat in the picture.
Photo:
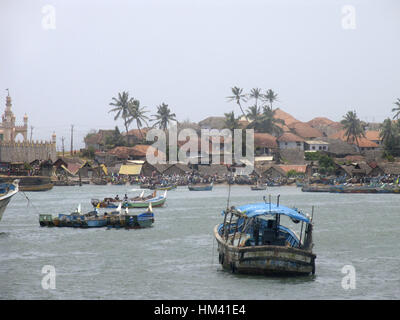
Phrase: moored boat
(30, 183)
(251, 240)
(259, 187)
(93, 219)
(7, 191)
(207, 187)
(136, 202)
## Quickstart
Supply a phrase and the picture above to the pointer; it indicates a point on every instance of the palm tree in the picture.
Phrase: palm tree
(238, 96)
(137, 113)
(390, 134)
(253, 113)
(255, 94)
(353, 127)
(163, 116)
(121, 105)
(396, 109)
(270, 96)
(267, 123)
(231, 122)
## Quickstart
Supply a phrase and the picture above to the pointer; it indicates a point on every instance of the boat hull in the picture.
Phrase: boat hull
(30, 183)
(205, 188)
(265, 259)
(7, 192)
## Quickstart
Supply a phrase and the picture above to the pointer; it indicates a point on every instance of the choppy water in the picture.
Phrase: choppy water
(177, 257)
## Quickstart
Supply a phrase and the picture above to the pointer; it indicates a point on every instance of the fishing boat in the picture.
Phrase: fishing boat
(29, 183)
(130, 221)
(7, 191)
(252, 240)
(316, 188)
(259, 187)
(136, 202)
(93, 219)
(207, 187)
(164, 187)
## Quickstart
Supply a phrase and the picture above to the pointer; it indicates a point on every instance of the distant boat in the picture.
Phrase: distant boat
(93, 219)
(251, 240)
(7, 191)
(259, 187)
(29, 183)
(163, 187)
(136, 202)
(207, 187)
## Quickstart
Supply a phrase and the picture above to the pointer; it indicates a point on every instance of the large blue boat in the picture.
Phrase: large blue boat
(251, 240)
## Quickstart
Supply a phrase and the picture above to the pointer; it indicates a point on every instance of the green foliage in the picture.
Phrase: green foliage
(390, 134)
(163, 116)
(294, 173)
(353, 127)
(115, 140)
(88, 153)
(325, 162)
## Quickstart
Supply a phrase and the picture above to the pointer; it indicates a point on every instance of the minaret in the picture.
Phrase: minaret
(8, 113)
(53, 137)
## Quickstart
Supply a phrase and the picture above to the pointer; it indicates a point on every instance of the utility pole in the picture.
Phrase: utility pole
(72, 139)
(31, 132)
(62, 139)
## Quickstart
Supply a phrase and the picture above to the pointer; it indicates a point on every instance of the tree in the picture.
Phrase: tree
(116, 139)
(122, 106)
(396, 109)
(238, 96)
(270, 96)
(390, 134)
(163, 116)
(255, 94)
(267, 123)
(231, 122)
(137, 113)
(353, 127)
(253, 113)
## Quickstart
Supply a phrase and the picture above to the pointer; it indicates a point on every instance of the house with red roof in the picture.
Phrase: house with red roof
(289, 140)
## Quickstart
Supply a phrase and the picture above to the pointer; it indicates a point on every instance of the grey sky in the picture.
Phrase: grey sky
(189, 53)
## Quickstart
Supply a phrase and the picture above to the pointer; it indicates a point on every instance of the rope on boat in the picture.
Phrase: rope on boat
(29, 202)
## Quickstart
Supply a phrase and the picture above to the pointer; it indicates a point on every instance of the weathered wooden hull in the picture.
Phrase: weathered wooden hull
(257, 188)
(203, 188)
(265, 259)
(30, 183)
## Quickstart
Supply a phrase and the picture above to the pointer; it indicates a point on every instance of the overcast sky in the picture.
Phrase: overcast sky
(321, 58)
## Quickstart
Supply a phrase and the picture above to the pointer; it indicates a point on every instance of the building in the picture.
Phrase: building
(8, 130)
(97, 141)
(305, 131)
(316, 145)
(290, 141)
(12, 149)
(264, 144)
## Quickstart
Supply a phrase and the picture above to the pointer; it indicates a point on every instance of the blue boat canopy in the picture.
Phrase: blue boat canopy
(262, 208)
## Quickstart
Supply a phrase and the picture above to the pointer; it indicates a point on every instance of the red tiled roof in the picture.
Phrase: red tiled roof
(290, 137)
(362, 142)
(265, 140)
(373, 135)
(139, 150)
(298, 168)
(305, 130)
(289, 119)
